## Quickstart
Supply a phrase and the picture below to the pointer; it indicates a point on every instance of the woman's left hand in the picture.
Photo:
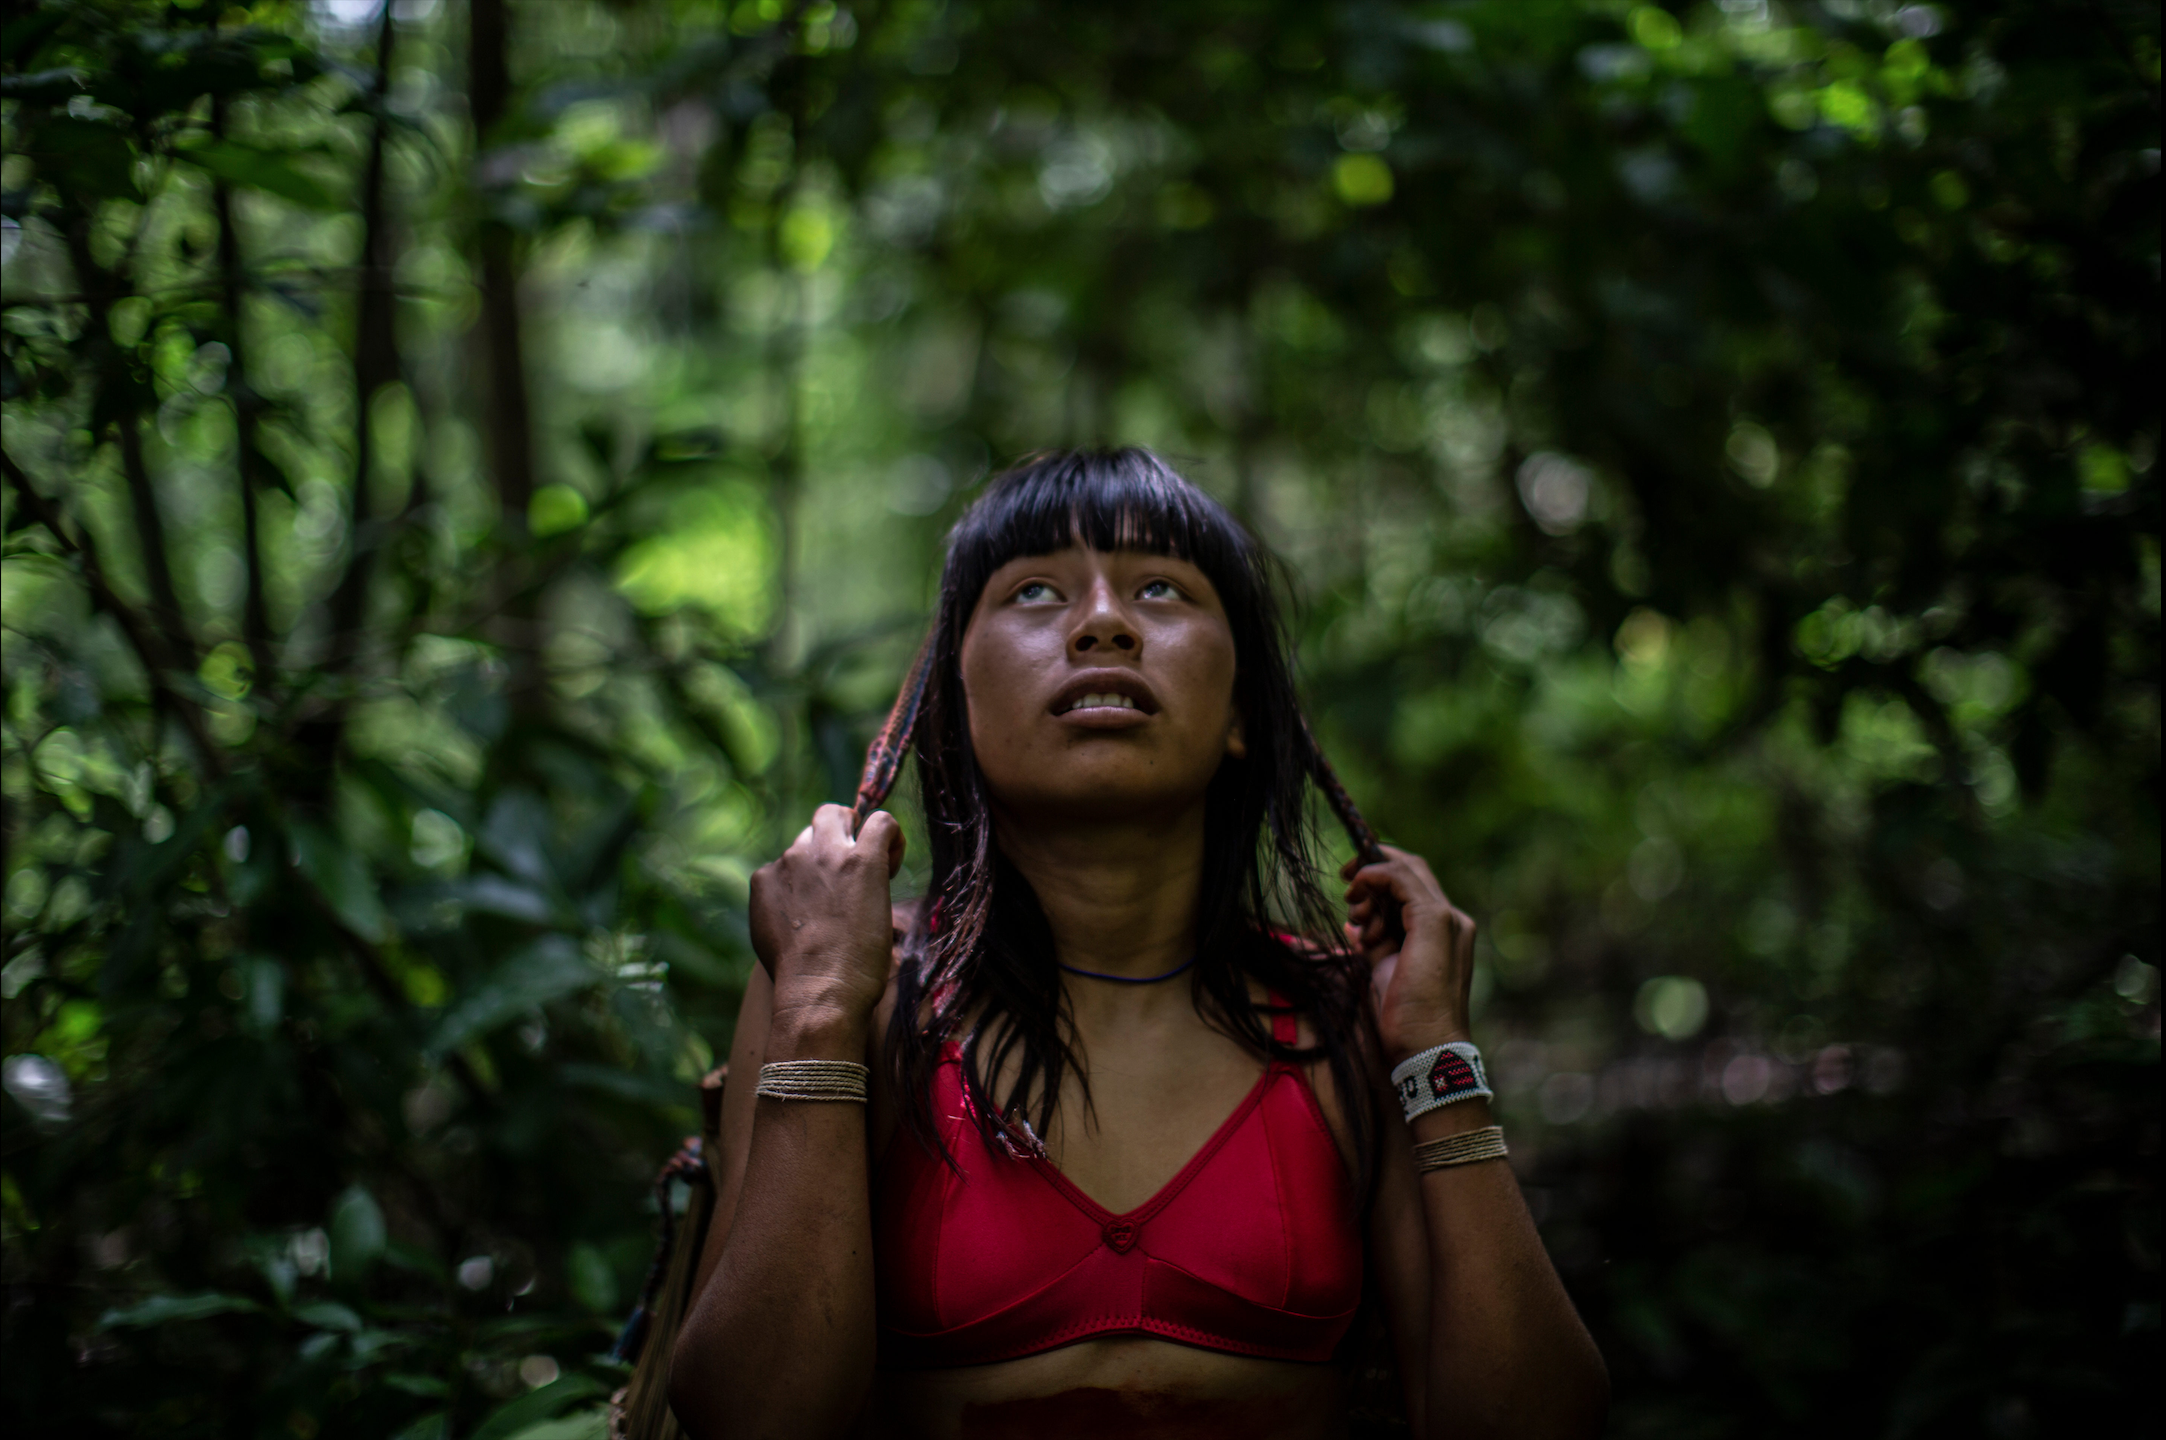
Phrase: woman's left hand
(1420, 983)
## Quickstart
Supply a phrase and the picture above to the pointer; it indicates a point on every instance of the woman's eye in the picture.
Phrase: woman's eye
(1159, 590)
(1035, 590)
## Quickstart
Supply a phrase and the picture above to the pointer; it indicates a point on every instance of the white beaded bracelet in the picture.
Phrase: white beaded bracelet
(1440, 1075)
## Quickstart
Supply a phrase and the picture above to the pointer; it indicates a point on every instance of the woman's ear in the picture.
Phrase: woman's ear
(1236, 741)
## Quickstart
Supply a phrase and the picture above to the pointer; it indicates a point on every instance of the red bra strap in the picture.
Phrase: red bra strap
(1285, 1025)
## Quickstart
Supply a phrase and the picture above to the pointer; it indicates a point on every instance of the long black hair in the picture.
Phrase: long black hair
(980, 952)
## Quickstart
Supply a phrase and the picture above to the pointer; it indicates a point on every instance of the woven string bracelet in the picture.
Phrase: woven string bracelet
(813, 1080)
(1486, 1143)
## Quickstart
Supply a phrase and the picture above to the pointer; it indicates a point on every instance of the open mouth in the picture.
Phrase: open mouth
(1106, 690)
(1097, 702)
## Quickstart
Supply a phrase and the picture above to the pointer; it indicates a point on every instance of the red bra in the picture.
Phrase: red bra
(1253, 1248)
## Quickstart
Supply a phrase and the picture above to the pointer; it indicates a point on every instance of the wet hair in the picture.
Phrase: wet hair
(978, 961)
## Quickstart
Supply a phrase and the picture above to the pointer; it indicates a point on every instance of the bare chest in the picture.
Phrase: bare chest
(1148, 1111)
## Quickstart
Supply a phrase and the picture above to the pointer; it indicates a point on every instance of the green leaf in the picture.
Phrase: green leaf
(495, 895)
(626, 1084)
(536, 1406)
(513, 833)
(271, 471)
(597, 851)
(419, 1262)
(339, 872)
(329, 1315)
(160, 1309)
(87, 159)
(1723, 118)
(357, 1237)
(263, 986)
(586, 1425)
(428, 1427)
(556, 509)
(265, 170)
(592, 1279)
(418, 1385)
(369, 1346)
(549, 968)
(46, 87)
(1362, 179)
(530, 1332)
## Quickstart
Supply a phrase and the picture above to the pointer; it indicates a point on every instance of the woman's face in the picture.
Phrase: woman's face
(1099, 684)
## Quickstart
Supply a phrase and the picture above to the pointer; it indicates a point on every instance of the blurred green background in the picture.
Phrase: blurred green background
(475, 474)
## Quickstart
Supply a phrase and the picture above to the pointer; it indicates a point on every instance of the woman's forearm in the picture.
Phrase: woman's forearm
(1506, 1352)
(1481, 1320)
(780, 1342)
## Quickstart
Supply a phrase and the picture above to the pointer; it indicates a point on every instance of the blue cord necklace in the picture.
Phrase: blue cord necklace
(1129, 979)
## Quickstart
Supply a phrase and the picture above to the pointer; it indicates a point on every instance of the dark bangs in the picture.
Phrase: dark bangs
(1125, 499)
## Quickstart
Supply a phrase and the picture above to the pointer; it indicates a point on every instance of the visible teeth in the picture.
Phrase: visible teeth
(1118, 701)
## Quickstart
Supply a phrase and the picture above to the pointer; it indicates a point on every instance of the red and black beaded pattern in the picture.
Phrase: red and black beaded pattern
(884, 757)
(1454, 1073)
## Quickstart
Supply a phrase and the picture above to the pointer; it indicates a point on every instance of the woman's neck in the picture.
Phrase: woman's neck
(1120, 896)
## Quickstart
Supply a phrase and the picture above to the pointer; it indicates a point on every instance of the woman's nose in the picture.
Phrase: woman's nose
(1104, 627)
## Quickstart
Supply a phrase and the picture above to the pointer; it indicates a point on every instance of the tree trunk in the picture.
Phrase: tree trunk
(507, 422)
(375, 365)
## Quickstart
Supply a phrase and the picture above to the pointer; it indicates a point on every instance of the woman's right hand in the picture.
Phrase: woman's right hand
(820, 918)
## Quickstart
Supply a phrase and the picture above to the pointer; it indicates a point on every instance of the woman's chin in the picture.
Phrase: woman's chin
(1100, 795)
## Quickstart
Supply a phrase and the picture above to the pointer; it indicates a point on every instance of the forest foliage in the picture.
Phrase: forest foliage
(475, 471)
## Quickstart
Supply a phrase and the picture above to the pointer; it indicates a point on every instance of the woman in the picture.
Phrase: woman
(1133, 1152)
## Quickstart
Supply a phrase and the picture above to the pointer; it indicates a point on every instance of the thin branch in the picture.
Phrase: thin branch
(419, 495)
(320, 275)
(141, 636)
(247, 411)
(150, 538)
(142, 498)
(375, 365)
